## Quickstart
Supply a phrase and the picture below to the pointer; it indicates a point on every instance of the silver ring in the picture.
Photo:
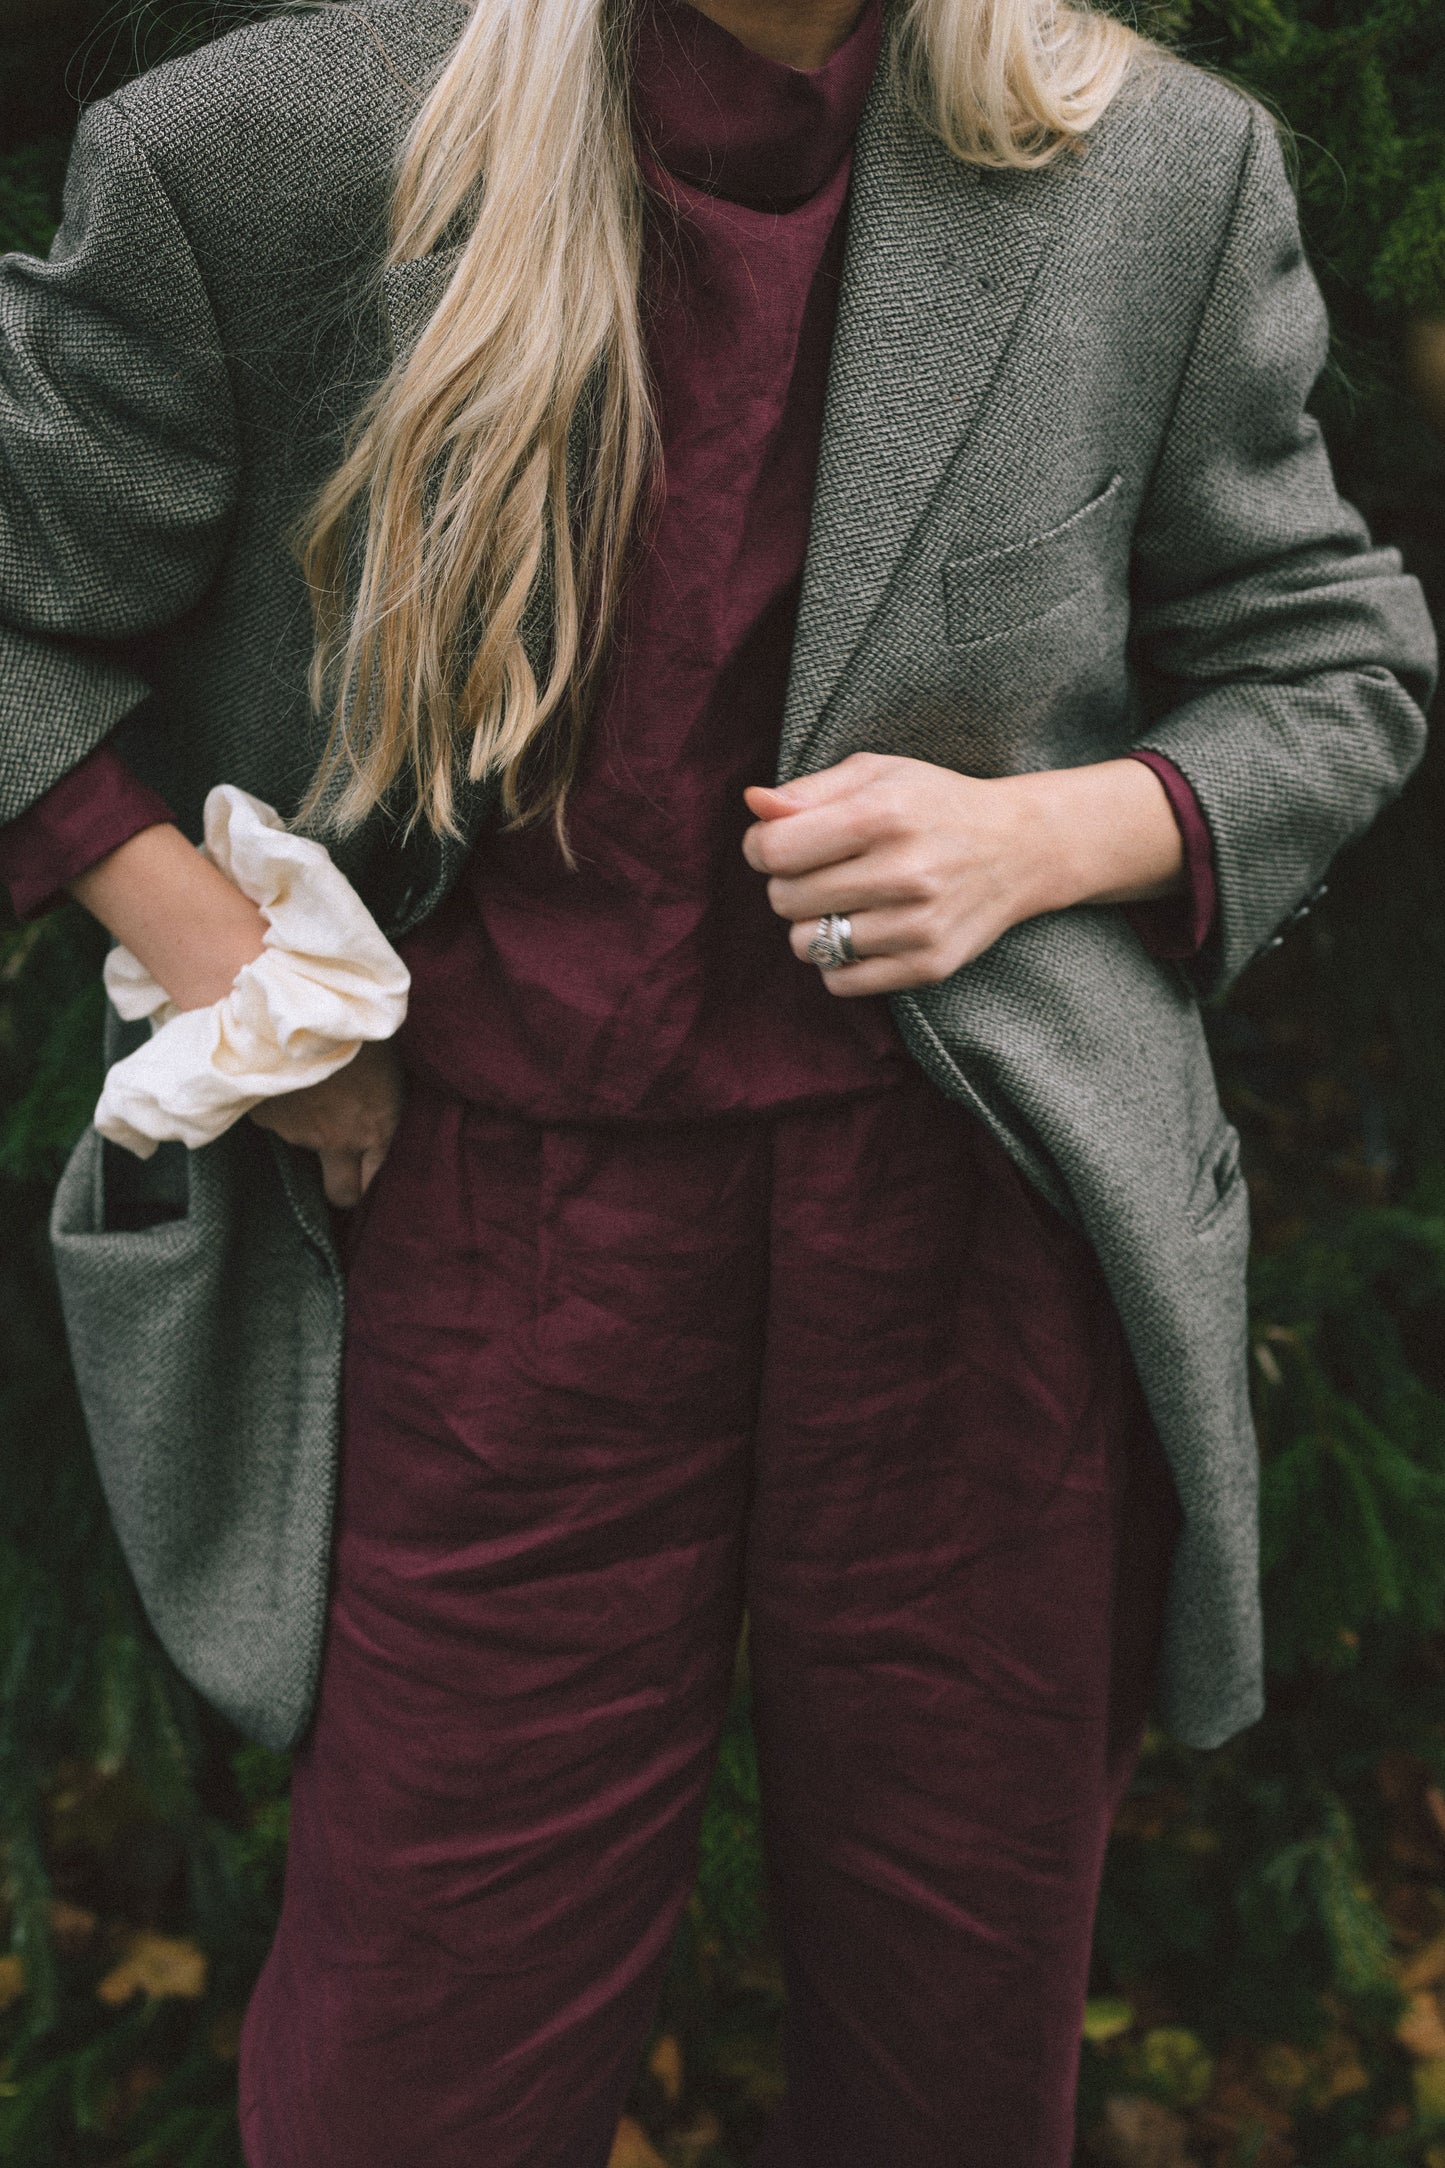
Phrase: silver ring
(832, 945)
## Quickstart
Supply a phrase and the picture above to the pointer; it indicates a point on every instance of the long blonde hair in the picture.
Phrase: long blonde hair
(456, 504)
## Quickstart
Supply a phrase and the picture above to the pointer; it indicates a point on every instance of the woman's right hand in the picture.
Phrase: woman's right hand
(349, 1120)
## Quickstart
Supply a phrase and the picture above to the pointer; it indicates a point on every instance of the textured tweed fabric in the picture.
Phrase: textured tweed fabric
(206, 1325)
(1068, 502)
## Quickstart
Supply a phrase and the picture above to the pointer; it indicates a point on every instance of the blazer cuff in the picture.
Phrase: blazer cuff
(81, 819)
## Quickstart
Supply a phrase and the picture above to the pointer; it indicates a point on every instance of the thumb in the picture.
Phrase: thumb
(766, 803)
(770, 802)
(341, 1179)
(370, 1166)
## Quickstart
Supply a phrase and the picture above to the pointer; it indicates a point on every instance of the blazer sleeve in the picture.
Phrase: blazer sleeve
(118, 458)
(1289, 660)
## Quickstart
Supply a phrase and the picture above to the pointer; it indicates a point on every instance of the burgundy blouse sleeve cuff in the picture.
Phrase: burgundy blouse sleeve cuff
(90, 812)
(1177, 927)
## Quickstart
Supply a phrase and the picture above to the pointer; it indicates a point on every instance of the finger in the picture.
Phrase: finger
(769, 804)
(772, 801)
(371, 1163)
(873, 933)
(287, 1122)
(826, 835)
(878, 975)
(293, 1120)
(341, 1179)
(297, 1117)
(859, 885)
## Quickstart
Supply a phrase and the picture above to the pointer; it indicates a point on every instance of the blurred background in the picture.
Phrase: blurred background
(1269, 1984)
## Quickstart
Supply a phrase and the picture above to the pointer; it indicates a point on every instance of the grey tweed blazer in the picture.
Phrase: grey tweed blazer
(1068, 502)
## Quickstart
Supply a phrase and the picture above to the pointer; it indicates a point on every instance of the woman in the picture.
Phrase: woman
(903, 406)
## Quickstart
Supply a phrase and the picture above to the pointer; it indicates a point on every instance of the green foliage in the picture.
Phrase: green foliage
(1353, 1506)
(122, 1805)
(1361, 90)
(1263, 1906)
(29, 184)
(730, 1856)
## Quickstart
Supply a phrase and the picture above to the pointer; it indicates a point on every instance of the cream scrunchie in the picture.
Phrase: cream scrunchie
(326, 980)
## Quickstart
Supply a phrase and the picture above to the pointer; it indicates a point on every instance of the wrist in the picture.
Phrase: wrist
(1105, 833)
(179, 915)
(1052, 870)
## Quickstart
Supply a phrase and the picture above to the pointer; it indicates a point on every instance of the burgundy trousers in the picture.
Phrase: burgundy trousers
(607, 1389)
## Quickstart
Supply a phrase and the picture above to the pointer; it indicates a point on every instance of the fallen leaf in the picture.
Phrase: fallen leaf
(1341, 2072)
(135, 2088)
(1417, 1853)
(1106, 2019)
(1421, 2030)
(1425, 1968)
(690, 2147)
(1415, 1910)
(72, 1926)
(12, 1981)
(665, 2064)
(1177, 2063)
(162, 1966)
(1429, 2087)
(632, 2148)
(1139, 2133)
(1243, 2118)
(1282, 2069)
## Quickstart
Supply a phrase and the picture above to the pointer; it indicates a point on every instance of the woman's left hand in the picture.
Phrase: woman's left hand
(348, 1120)
(931, 867)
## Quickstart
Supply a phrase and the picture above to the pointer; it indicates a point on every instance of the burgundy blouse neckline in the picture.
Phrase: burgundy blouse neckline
(729, 121)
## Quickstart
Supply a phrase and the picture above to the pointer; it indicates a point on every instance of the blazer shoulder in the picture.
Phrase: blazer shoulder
(288, 120)
(304, 96)
(315, 64)
(1178, 133)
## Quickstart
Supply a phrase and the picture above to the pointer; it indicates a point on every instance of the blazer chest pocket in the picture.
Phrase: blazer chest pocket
(1001, 591)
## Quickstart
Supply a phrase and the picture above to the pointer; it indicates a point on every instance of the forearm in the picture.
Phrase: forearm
(191, 927)
(1099, 834)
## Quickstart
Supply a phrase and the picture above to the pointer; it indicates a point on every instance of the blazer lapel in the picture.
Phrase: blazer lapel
(940, 260)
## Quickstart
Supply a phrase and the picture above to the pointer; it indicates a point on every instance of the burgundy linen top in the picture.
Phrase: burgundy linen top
(654, 980)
